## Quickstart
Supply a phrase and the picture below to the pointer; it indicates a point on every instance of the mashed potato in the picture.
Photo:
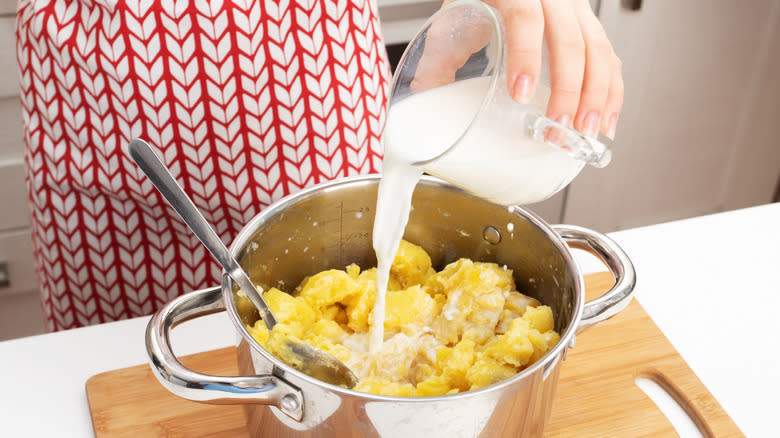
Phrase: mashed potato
(459, 329)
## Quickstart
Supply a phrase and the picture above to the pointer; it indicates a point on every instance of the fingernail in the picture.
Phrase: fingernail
(590, 125)
(558, 136)
(612, 126)
(564, 120)
(522, 90)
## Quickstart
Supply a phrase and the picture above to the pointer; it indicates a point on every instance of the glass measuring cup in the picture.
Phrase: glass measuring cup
(452, 116)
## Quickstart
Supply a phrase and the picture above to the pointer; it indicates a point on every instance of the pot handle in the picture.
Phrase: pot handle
(191, 385)
(606, 249)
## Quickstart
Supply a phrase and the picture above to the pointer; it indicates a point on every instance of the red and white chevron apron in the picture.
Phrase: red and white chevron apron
(246, 101)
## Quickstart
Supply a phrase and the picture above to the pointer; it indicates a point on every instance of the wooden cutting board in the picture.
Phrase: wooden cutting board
(596, 395)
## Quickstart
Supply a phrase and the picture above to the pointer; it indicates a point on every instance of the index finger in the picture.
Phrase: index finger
(567, 59)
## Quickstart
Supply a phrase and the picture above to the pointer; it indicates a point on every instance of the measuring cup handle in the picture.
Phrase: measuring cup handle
(606, 249)
(575, 143)
(191, 385)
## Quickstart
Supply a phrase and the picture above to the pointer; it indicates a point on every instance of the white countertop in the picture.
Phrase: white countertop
(710, 283)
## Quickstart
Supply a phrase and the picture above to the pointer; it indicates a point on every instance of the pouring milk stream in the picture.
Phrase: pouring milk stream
(469, 133)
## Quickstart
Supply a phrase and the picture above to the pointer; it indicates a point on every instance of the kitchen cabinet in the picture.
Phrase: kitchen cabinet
(20, 312)
(17, 270)
(700, 129)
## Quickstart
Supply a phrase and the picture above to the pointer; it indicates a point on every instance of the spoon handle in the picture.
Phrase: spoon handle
(162, 179)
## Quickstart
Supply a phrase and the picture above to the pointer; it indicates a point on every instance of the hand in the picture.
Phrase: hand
(586, 78)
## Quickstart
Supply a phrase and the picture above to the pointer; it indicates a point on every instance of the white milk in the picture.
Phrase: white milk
(394, 200)
(494, 159)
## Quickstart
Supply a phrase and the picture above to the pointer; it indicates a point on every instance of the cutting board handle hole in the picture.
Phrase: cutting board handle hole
(673, 405)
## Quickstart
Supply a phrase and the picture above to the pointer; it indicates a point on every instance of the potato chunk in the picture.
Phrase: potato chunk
(408, 307)
(411, 266)
(326, 288)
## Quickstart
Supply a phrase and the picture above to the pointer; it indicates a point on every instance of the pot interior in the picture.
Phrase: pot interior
(330, 227)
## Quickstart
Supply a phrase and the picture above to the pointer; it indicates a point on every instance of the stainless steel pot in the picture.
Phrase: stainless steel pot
(330, 226)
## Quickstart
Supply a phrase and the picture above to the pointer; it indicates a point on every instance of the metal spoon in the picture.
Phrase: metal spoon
(305, 358)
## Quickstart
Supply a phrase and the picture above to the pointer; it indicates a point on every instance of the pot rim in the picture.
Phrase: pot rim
(246, 232)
